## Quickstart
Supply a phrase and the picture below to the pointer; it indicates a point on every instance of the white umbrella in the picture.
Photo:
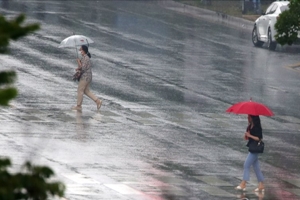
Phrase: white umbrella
(74, 41)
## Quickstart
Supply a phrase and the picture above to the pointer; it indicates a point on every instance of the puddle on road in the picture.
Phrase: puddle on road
(144, 121)
(105, 119)
(144, 114)
(213, 180)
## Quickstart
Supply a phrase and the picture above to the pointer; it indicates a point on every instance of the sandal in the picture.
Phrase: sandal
(76, 108)
(99, 103)
(240, 188)
(259, 190)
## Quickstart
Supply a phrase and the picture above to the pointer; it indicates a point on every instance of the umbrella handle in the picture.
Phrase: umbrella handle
(76, 51)
(76, 48)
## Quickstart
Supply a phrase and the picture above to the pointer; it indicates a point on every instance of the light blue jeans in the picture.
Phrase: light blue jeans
(252, 159)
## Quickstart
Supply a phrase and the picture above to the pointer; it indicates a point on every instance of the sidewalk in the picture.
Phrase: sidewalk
(211, 16)
(217, 17)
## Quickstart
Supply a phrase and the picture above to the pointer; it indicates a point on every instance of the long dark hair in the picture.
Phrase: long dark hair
(256, 121)
(86, 50)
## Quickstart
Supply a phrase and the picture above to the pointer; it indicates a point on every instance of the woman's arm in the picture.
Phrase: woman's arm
(252, 136)
(79, 65)
(84, 63)
(255, 133)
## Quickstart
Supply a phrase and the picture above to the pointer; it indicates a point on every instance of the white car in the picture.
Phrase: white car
(264, 26)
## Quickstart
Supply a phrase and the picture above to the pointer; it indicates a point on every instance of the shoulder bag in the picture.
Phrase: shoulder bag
(77, 75)
(256, 147)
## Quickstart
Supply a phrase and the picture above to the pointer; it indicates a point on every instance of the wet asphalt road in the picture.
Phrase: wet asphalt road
(166, 79)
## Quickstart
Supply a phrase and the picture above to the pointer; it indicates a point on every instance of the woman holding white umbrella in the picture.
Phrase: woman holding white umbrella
(85, 69)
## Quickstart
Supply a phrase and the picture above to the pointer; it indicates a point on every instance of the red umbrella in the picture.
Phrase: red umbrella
(250, 108)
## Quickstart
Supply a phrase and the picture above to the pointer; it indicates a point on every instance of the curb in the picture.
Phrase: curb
(215, 17)
(209, 15)
(295, 67)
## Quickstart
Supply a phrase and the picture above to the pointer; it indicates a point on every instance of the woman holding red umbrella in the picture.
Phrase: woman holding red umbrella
(253, 134)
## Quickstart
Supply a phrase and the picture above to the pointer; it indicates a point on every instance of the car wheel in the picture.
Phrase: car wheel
(255, 40)
(271, 44)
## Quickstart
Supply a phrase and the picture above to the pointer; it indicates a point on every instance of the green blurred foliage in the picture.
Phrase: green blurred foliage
(32, 182)
(7, 92)
(11, 29)
(288, 24)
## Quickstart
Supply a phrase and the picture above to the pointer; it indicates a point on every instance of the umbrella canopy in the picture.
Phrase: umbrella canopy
(250, 108)
(75, 40)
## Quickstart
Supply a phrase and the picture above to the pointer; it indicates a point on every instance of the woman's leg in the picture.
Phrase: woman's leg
(259, 176)
(88, 93)
(248, 162)
(256, 167)
(92, 96)
(80, 91)
(246, 174)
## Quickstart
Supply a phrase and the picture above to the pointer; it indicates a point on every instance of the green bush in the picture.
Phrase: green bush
(32, 182)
